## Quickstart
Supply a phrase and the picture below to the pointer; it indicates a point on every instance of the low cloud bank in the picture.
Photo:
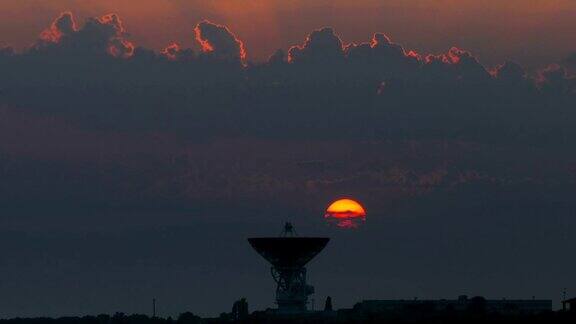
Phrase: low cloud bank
(322, 88)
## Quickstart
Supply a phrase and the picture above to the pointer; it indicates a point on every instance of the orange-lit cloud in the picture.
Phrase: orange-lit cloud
(175, 52)
(118, 47)
(171, 51)
(453, 56)
(219, 41)
(205, 45)
(104, 34)
(320, 46)
(63, 25)
(534, 32)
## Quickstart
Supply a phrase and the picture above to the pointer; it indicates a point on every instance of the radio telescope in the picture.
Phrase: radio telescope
(288, 254)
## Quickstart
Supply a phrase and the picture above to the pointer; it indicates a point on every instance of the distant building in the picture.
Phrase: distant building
(569, 304)
(328, 304)
(462, 304)
(240, 309)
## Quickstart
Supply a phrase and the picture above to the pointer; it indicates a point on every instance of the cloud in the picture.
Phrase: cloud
(319, 88)
(171, 51)
(219, 42)
(510, 72)
(103, 35)
(6, 51)
(278, 57)
(455, 66)
(555, 78)
(569, 63)
(174, 52)
(321, 46)
(63, 26)
(383, 58)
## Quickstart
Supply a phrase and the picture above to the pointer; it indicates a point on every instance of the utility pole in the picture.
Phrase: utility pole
(153, 307)
(564, 299)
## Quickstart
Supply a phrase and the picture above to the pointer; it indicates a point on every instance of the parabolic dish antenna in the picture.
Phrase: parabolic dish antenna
(288, 255)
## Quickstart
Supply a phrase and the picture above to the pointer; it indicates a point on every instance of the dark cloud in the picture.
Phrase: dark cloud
(171, 51)
(6, 51)
(556, 78)
(174, 52)
(510, 72)
(98, 36)
(381, 50)
(372, 89)
(219, 42)
(468, 67)
(322, 46)
(455, 66)
(278, 57)
(63, 26)
(570, 63)
(383, 59)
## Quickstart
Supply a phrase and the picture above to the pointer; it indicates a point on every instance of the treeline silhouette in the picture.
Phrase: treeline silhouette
(415, 317)
(117, 318)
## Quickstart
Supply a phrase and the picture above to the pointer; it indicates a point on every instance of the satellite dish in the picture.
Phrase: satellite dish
(288, 255)
(288, 252)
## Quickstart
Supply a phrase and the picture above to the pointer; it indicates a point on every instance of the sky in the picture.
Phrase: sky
(533, 32)
(133, 170)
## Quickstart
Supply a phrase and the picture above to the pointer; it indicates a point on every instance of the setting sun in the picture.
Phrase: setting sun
(345, 213)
